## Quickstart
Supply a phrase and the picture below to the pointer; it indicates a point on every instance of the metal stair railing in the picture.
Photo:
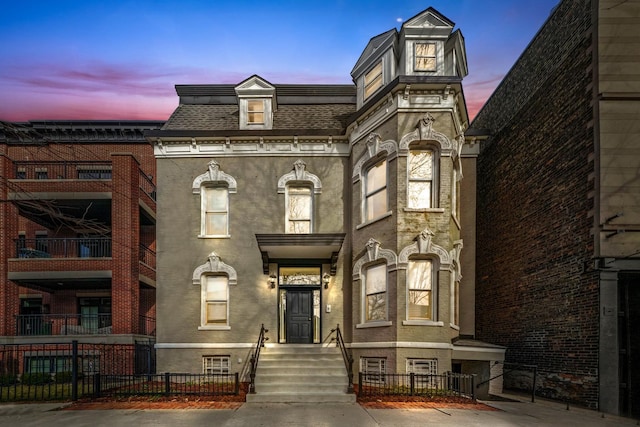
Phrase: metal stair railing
(346, 356)
(255, 357)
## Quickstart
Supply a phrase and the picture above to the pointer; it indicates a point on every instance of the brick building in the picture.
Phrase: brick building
(558, 211)
(77, 240)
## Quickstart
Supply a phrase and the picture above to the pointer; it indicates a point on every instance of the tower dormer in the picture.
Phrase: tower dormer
(430, 47)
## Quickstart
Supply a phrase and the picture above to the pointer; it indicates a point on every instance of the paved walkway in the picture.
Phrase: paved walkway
(541, 413)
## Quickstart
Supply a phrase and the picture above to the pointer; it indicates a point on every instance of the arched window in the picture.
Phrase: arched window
(215, 211)
(421, 174)
(375, 293)
(215, 301)
(375, 191)
(372, 270)
(214, 187)
(299, 187)
(299, 201)
(214, 278)
(421, 290)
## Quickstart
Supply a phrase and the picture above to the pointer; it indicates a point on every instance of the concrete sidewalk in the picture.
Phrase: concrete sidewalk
(521, 413)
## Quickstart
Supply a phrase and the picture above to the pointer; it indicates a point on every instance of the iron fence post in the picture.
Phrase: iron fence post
(96, 384)
(167, 383)
(360, 388)
(473, 386)
(237, 388)
(412, 378)
(74, 370)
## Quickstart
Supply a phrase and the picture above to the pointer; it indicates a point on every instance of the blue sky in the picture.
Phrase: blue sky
(121, 59)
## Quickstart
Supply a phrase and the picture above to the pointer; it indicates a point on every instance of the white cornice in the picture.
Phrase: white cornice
(256, 146)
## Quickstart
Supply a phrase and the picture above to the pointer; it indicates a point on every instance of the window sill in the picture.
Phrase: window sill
(374, 324)
(422, 323)
(428, 210)
(371, 221)
(214, 328)
(221, 236)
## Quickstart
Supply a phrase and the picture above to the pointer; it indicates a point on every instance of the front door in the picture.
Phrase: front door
(299, 316)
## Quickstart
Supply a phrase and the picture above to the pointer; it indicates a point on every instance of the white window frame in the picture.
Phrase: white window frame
(216, 365)
(204, 302)
(251, 112)
(373, 80)
(432, 202)
(368, 194)
(205, 211)
(213, 178)
(432, 292)
(422, 366)
(365, 294)
(417, 57)
(370, 371)
(288, 219)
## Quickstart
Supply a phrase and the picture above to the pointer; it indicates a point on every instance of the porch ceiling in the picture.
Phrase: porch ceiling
(300, 246)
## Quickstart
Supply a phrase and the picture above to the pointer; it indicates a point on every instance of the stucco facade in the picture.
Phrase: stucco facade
(387, 186)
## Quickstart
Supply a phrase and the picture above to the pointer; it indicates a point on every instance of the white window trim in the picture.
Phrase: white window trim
(213, 177)
(210, 359)
(372, 156)
(381, 368)
(214, 266)
(435, 181)
(203, 308)
(374, 254)
(203, 215)
(411, 364)
(435, 57)
(434, 297)
(299, 177)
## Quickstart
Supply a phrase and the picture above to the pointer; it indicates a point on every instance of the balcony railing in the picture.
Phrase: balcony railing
(63, 324)
(74, 324)
(147, 256)
(99, 247)
(63, 170)
(147, 185)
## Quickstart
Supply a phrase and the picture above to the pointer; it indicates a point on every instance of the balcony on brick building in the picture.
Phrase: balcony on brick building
(79, 235)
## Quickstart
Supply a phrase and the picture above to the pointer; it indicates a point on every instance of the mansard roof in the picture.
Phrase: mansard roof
(374, 49)
(307, 109)
(322, 118)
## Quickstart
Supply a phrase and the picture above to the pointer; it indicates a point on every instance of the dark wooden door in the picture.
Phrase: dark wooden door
(299, 315)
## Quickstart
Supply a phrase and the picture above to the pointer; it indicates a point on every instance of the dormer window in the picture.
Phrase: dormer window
(373, 80)
(255, 111)
(256, 104)
(425, 57)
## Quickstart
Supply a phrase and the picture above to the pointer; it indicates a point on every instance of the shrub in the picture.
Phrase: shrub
(35, 378)
(8, 379)
(63, 377)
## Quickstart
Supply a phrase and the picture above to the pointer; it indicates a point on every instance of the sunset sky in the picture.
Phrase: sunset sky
(121, 59)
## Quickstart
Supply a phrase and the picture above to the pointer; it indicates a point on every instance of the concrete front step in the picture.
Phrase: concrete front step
(301, 373)
(309, 397)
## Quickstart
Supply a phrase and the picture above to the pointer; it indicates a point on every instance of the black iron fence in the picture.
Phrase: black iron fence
(447, 384)
(63, 324)
(166, 384)
(96, 247)
(31, 372)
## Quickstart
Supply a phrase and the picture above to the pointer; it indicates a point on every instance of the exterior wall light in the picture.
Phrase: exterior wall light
(272, 281)
(325, 279)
